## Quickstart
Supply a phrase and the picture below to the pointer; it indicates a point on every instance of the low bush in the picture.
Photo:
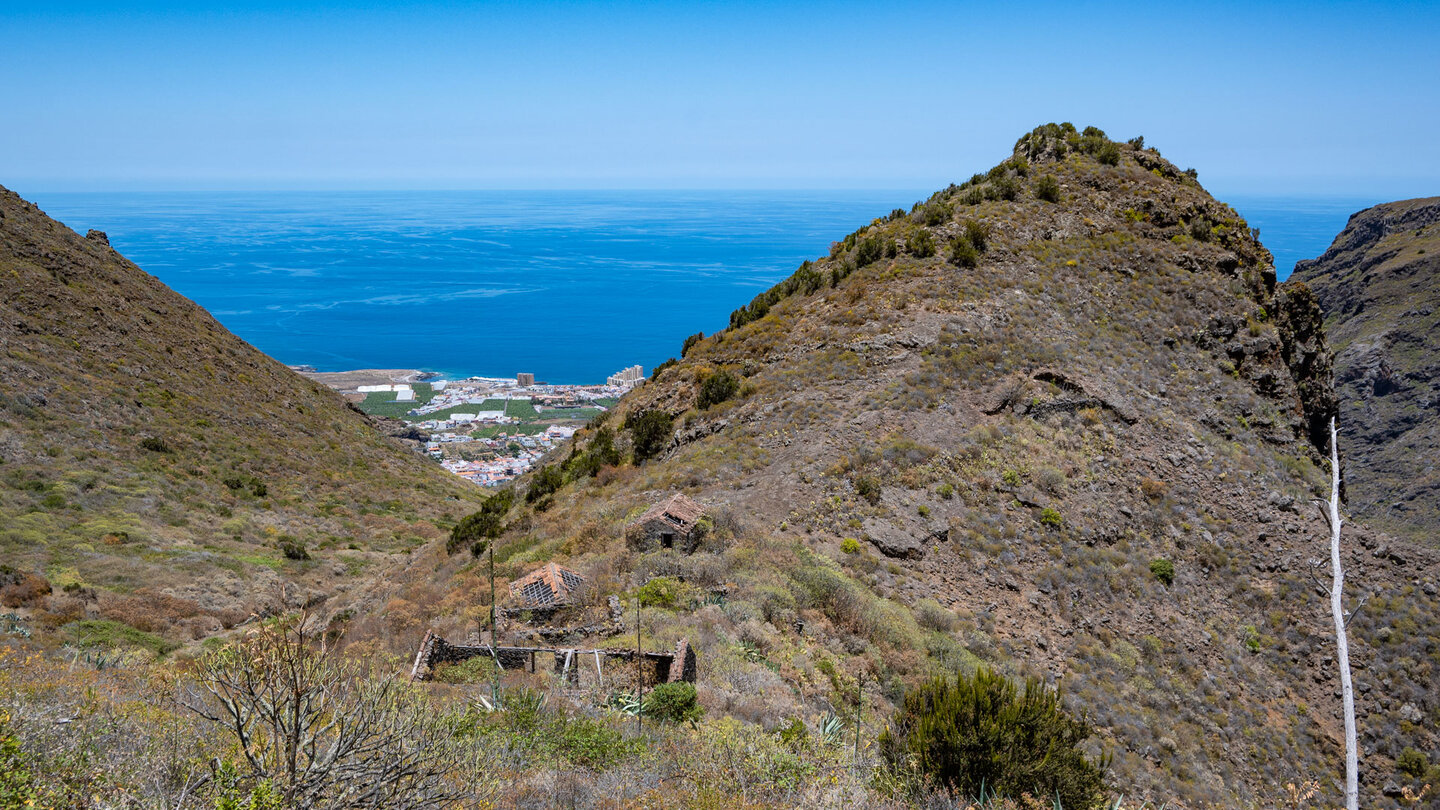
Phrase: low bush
(868, 487)
(850, 545)
(662, 592)
(1164, 570)
(1050, 516)
(293, 548)
(109, 634)
(673, 703)
(690, 343)
(717, 388)
(1412, 763)
(980, 735)
(920, 244)
(1047, 188)
(963, 254)
(868, 251)
(479, 669)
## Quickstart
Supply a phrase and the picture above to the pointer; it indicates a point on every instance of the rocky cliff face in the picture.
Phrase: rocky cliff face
(161, 472)
(978, 431)
(1379, 284)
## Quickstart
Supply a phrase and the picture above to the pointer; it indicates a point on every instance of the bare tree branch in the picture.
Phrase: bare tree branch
(1342, 642)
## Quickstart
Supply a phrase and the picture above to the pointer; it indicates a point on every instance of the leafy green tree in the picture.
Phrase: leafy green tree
(547, 479)
(980, 733)
(650, 430)
(476, 530)
(601, 452)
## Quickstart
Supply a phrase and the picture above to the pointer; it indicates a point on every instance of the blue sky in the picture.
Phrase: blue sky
(1261, 98)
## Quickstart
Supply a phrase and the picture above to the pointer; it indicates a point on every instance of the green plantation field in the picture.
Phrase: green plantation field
(382, 403)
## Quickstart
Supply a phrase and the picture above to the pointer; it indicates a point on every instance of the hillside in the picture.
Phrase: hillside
(158, 472)
(1379, 284)
(1060, 418)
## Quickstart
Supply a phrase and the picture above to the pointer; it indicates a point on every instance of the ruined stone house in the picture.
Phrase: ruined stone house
(675, 523)
(547, 587)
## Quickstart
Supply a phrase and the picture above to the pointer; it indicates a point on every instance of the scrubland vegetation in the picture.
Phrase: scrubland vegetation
(1052, 425)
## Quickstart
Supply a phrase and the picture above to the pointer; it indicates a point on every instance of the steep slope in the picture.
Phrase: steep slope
(1379, 284)
(1059, 418)
(155, 469)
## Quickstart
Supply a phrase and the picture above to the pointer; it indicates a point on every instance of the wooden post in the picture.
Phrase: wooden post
(640, 675)
(859, 713)
(495, 679)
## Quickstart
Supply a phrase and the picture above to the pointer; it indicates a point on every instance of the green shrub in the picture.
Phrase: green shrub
(1412, 763)
(978, 234)
(868, 487)
(245, 482)
(946, 491)
(154, 444)
(1004, 188)
(850, 545)
(963, 254)
(868, 251)
(920, 244)
(650, 431)
(108, 633)
(1049, 516)
(663, 592)
(293, 548)
(1164, 570)
(1047, 188)
(932, 214)
(593, 743)
(717, 388)
(673, 703)
(17, 783)
(480, 669)
(1108, 154)
(981, 735)
(690, 343)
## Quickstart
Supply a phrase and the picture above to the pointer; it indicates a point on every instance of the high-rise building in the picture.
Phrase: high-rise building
(626, 378)
(525, 379)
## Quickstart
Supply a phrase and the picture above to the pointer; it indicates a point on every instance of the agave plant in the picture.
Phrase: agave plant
(627, 703)
(832, 730)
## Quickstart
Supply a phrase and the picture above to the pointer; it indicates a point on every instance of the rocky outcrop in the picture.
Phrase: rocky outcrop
(1379, 287)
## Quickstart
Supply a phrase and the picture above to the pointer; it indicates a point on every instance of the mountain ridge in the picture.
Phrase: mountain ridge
(156, 469)
(1377, 284)
(973, 433)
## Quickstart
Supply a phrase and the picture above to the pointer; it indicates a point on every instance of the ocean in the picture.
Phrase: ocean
(570, 286)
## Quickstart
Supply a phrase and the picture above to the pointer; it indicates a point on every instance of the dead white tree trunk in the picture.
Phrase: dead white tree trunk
(1342, 642)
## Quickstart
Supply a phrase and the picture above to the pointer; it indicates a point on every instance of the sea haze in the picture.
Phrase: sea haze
(569, 285)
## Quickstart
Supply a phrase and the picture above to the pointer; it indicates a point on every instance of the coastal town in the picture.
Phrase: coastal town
(487, 430)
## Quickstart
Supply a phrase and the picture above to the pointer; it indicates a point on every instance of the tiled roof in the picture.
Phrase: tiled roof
(547, 586)
(680, 511)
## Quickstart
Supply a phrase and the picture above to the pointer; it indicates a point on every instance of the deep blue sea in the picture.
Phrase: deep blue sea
(571, 286)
